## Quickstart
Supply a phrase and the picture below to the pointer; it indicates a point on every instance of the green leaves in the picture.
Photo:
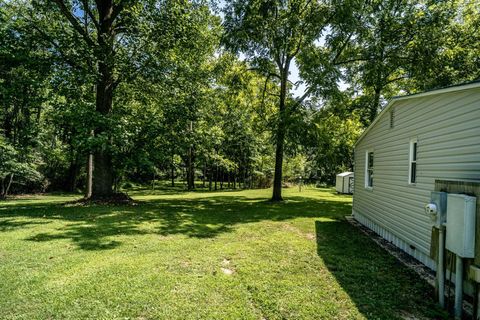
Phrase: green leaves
(191, 87)
(15, 168)
(407, 46)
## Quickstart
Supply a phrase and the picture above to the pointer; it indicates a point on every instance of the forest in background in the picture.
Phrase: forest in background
(98, 94)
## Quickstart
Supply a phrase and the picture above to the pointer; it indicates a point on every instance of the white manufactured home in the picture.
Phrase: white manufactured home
(413, 143)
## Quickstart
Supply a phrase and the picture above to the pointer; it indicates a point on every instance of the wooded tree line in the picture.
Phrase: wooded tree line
(94, 94)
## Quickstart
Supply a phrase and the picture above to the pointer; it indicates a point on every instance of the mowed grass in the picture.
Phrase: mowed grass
(199, 255)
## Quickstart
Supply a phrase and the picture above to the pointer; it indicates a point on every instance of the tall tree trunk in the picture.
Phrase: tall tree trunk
(88, 191)
(173, 170)
(210, 174)
(103, 47)
(9, 184)
(216, 176)
(204, 173)
(89, 167)
(116, 183)
(191, 163)
(153, 181)
(277, 180)
(221, 179)
(103, 169)
(245, 185)
(190, 169)
(184, 175)
(2, 190)
(71, 183)
(188, 166)
(102, 175)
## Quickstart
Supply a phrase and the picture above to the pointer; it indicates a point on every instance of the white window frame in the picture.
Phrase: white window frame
(411, 161)
(367, 176)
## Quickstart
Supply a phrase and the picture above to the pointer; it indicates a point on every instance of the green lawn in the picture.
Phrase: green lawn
(200, 255)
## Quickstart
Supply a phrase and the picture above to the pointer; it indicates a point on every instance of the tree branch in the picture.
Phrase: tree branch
(118, 9)
(269, 74)
(351, 60)
(395, 79)
(86, 7)
(264, 90)
(74, 22)
(69, 61)
(305, 95)
(344, 45)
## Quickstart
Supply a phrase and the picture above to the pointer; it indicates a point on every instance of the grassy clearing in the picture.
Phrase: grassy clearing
(200, 255)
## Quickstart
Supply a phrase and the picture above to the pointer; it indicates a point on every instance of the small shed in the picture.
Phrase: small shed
(344, 182)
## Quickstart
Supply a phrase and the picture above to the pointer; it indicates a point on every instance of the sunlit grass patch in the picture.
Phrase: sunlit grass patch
(199, 255)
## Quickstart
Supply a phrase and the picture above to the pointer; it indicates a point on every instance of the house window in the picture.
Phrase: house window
(369, 169)
(412, 172)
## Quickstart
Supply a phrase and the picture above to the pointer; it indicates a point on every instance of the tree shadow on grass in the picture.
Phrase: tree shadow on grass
(11, 224)
(99, 227)
(89, 236)
(379, 285)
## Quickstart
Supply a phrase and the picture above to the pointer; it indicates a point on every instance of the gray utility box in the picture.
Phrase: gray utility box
(440, 200)
(461, 225)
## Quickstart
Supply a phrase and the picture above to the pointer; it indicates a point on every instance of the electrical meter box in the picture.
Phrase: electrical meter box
(440, 200)
(461, 225)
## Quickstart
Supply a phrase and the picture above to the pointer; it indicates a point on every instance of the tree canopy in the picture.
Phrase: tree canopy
(98, 95)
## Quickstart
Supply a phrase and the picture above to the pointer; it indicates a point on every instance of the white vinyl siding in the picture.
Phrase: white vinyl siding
(447, 128)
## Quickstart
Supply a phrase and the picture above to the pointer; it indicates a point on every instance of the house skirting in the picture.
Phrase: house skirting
(387, 235)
